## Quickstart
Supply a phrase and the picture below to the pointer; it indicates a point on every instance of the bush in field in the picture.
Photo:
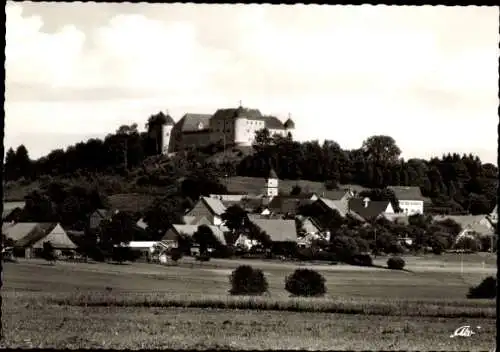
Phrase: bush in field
(246, 280)
(48, 252)
(486, 289)
(396, 263)
(176, 255)
(305, 282)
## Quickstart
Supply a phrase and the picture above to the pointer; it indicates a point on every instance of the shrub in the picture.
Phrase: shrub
(176, 254)
(360, 260)
(305, 282)
(246, 280)
(396, 263)
(486, 289)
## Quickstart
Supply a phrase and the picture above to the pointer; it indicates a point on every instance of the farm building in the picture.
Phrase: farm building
(99, 215)
(29, 238)
(178, 232)
(211, 208)
(282, 233)
(370, 210)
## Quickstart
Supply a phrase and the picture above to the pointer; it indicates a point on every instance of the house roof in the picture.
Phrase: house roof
(476, 223)
(372, 211)
(214, 205)
(335, 205)
(195, 220)
(9, 207)
(169, 121)
(29, 233)
(57, 237)
(18, 231)
(141, 224)
(104, 213)
(191, 122)
(278, 230)
(407, 193)
(287, 204)
(189, 230)
(335, 194)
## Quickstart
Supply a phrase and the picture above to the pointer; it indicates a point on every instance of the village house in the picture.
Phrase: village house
(474, 226)
(99, 215)
(176, 232)
(282, 233)
(370, 210)
(29, 238)
(411, 200)
(210, 208)
(196, 220)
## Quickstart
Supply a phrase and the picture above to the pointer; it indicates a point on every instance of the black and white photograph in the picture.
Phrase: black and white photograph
(250, 177)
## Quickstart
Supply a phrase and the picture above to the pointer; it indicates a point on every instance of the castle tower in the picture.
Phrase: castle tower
(289, 125)
(272, 183)
(166, 133)
(240, 127)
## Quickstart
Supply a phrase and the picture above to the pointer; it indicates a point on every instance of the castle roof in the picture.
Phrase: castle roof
(289, 124)
(169, 121)
(271, 122)
(192, 122)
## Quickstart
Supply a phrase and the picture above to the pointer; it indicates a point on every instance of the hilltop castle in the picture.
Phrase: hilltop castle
(234, 127)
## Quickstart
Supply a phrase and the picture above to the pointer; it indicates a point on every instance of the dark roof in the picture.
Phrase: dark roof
(335, 194)
(272, 174)
(191, 122)
(247, 204)
(289, 124)
(272, 123)
(229, 114)
(287, 204)
(407, 193)
(169, 120)
(374, 208)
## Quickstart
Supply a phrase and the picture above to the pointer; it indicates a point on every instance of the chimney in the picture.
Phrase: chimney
(366, 201)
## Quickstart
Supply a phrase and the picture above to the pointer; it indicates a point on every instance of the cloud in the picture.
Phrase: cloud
(343, 72)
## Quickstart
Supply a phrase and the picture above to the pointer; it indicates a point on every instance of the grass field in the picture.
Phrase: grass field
(44, 306)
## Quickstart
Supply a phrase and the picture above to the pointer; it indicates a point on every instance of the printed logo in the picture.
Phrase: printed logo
(464, 331)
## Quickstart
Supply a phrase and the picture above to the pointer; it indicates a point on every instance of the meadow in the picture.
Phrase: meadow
(187, 306)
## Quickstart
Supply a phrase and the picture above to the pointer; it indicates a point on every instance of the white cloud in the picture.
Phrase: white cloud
(343, 72)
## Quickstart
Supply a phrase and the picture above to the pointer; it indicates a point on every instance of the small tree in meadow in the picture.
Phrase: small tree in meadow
(48, 252)
(246, 280)
(175, 255)
(305, 282)
(396, 263)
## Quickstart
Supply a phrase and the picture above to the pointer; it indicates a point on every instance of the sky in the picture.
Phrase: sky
(427, 76)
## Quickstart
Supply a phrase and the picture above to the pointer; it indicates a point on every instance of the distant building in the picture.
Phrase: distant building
(411, 200)
(210, 208)
(272, 184)
(234, 127)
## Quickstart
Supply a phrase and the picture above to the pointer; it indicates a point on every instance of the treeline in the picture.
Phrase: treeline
(455, 183)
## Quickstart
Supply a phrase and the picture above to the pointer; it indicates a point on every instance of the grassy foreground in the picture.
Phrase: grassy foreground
(187, 307)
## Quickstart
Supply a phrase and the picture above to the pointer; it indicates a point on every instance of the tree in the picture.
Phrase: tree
(234, 218)
(296, 190)
(163, 213)
(48, 252)
(205, 238)
(117, 232)
(381, 149)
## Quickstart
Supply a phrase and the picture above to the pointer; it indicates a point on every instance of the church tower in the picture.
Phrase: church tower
(272, 183)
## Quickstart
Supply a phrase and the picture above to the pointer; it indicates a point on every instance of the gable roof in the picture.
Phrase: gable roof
(58, 238)
(334, 194)
(9, 207)
(278, 230)
(32, 232)
(372, 211)
(407, 193)
(289, 124)
(214, 205)
(18, 231)
(190, 122)
(195, 220)
(287, 204)
(232, 113)
(477, 223)
(189, 230)
(273, 123)
(334, 205)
